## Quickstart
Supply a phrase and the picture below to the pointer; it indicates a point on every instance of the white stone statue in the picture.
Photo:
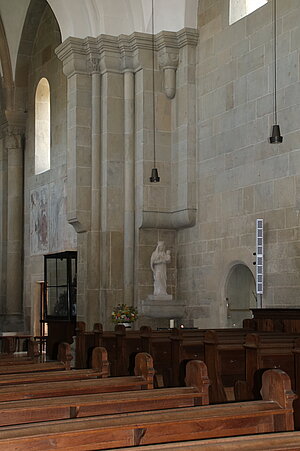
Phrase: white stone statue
(159, 259)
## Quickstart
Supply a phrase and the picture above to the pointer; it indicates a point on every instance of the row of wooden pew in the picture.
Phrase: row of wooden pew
(236, 358)
(87, 410)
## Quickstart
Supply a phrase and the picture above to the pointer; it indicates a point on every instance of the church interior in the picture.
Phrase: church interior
(149, 224)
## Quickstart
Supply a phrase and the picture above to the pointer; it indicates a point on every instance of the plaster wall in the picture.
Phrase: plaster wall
(240, 176)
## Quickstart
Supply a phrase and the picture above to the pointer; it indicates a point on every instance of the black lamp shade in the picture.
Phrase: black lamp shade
(276, 136)
(154, 176)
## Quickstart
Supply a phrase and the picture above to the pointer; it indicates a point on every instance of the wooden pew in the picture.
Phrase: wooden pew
(142, 380)
(265, 351)
(270, 351)
(127, 345)
(194, 394)
(158, 344)
(273, 413)
(201, 344)
(86, 341)
(186, 344)
(11, 342)
(280, 441)
(171, 349)
(32, 355)
(235, 357)
(63, 362)
(100, 368)
(121, 344)
(224, 355)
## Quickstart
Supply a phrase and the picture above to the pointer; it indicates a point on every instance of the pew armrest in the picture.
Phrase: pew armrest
(196, 376)
(100, 361)
(144, 368)
(64, 354)
(276, 387)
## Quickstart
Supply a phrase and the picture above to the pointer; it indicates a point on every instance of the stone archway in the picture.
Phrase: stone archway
(240, 294)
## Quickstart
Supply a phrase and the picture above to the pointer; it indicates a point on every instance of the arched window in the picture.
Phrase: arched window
(42, 126)
(241, 8)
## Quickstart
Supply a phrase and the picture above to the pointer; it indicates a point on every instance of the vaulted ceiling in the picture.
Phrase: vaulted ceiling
(83, 18)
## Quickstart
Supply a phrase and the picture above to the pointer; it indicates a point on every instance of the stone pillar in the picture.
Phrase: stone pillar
(112, 180)
(79, 116)
(116, 97)
(93, 263)
(129, 187)
(3, 225)
(14, 147)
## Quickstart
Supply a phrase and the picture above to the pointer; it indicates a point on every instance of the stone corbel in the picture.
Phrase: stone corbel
(168, 56)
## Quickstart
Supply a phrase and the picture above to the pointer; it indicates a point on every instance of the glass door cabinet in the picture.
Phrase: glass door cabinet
(60, 289)
(60, 286)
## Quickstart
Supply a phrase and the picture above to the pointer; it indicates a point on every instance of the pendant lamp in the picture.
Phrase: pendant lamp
(275, 137)
(154, 172)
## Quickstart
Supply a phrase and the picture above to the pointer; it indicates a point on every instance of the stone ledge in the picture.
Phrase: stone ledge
(168, 219)
(153, 307)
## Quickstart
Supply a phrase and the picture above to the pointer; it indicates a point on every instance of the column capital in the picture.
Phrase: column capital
(94, 65)
(16, 121)
(14, 130)
(72, 52)
(187, 36)
(168, 50)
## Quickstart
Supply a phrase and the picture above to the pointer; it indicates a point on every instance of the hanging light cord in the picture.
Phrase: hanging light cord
(275, 60)
(153, 86)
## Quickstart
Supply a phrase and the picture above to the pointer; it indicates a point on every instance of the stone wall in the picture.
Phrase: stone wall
(213, 105)
(240, 176)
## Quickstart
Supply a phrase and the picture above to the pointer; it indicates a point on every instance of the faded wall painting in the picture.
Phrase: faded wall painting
(49, 228)
(39, 214)
(62, 235)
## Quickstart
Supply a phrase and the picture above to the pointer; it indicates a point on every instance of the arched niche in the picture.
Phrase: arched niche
(240, 294)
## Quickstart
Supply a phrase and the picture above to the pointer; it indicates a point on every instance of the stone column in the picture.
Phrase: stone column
(3, 224)
(112, 179)
(93, 268)
(129, 187)
(14, 147)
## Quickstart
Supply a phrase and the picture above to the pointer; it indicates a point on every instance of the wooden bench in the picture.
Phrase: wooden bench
(264, 352)
(225, 359)
(235, 357)
(85, 342)
(142, 380)
(121, 345)
(281, 441)
(273, 413)
(32, 355)
(100, 368)
(33, 410)
(11, 342)
(270, 351)
(63, 362)
(158, 344)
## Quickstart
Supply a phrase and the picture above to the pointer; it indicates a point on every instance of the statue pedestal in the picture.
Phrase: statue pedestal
(163, 306)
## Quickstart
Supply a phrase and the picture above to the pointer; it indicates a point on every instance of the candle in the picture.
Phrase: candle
(172, 323)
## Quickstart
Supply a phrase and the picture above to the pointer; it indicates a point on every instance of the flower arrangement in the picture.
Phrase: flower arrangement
(123, 313)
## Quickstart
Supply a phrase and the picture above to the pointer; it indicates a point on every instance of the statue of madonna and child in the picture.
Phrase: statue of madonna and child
(160, 304)
(159, 259)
